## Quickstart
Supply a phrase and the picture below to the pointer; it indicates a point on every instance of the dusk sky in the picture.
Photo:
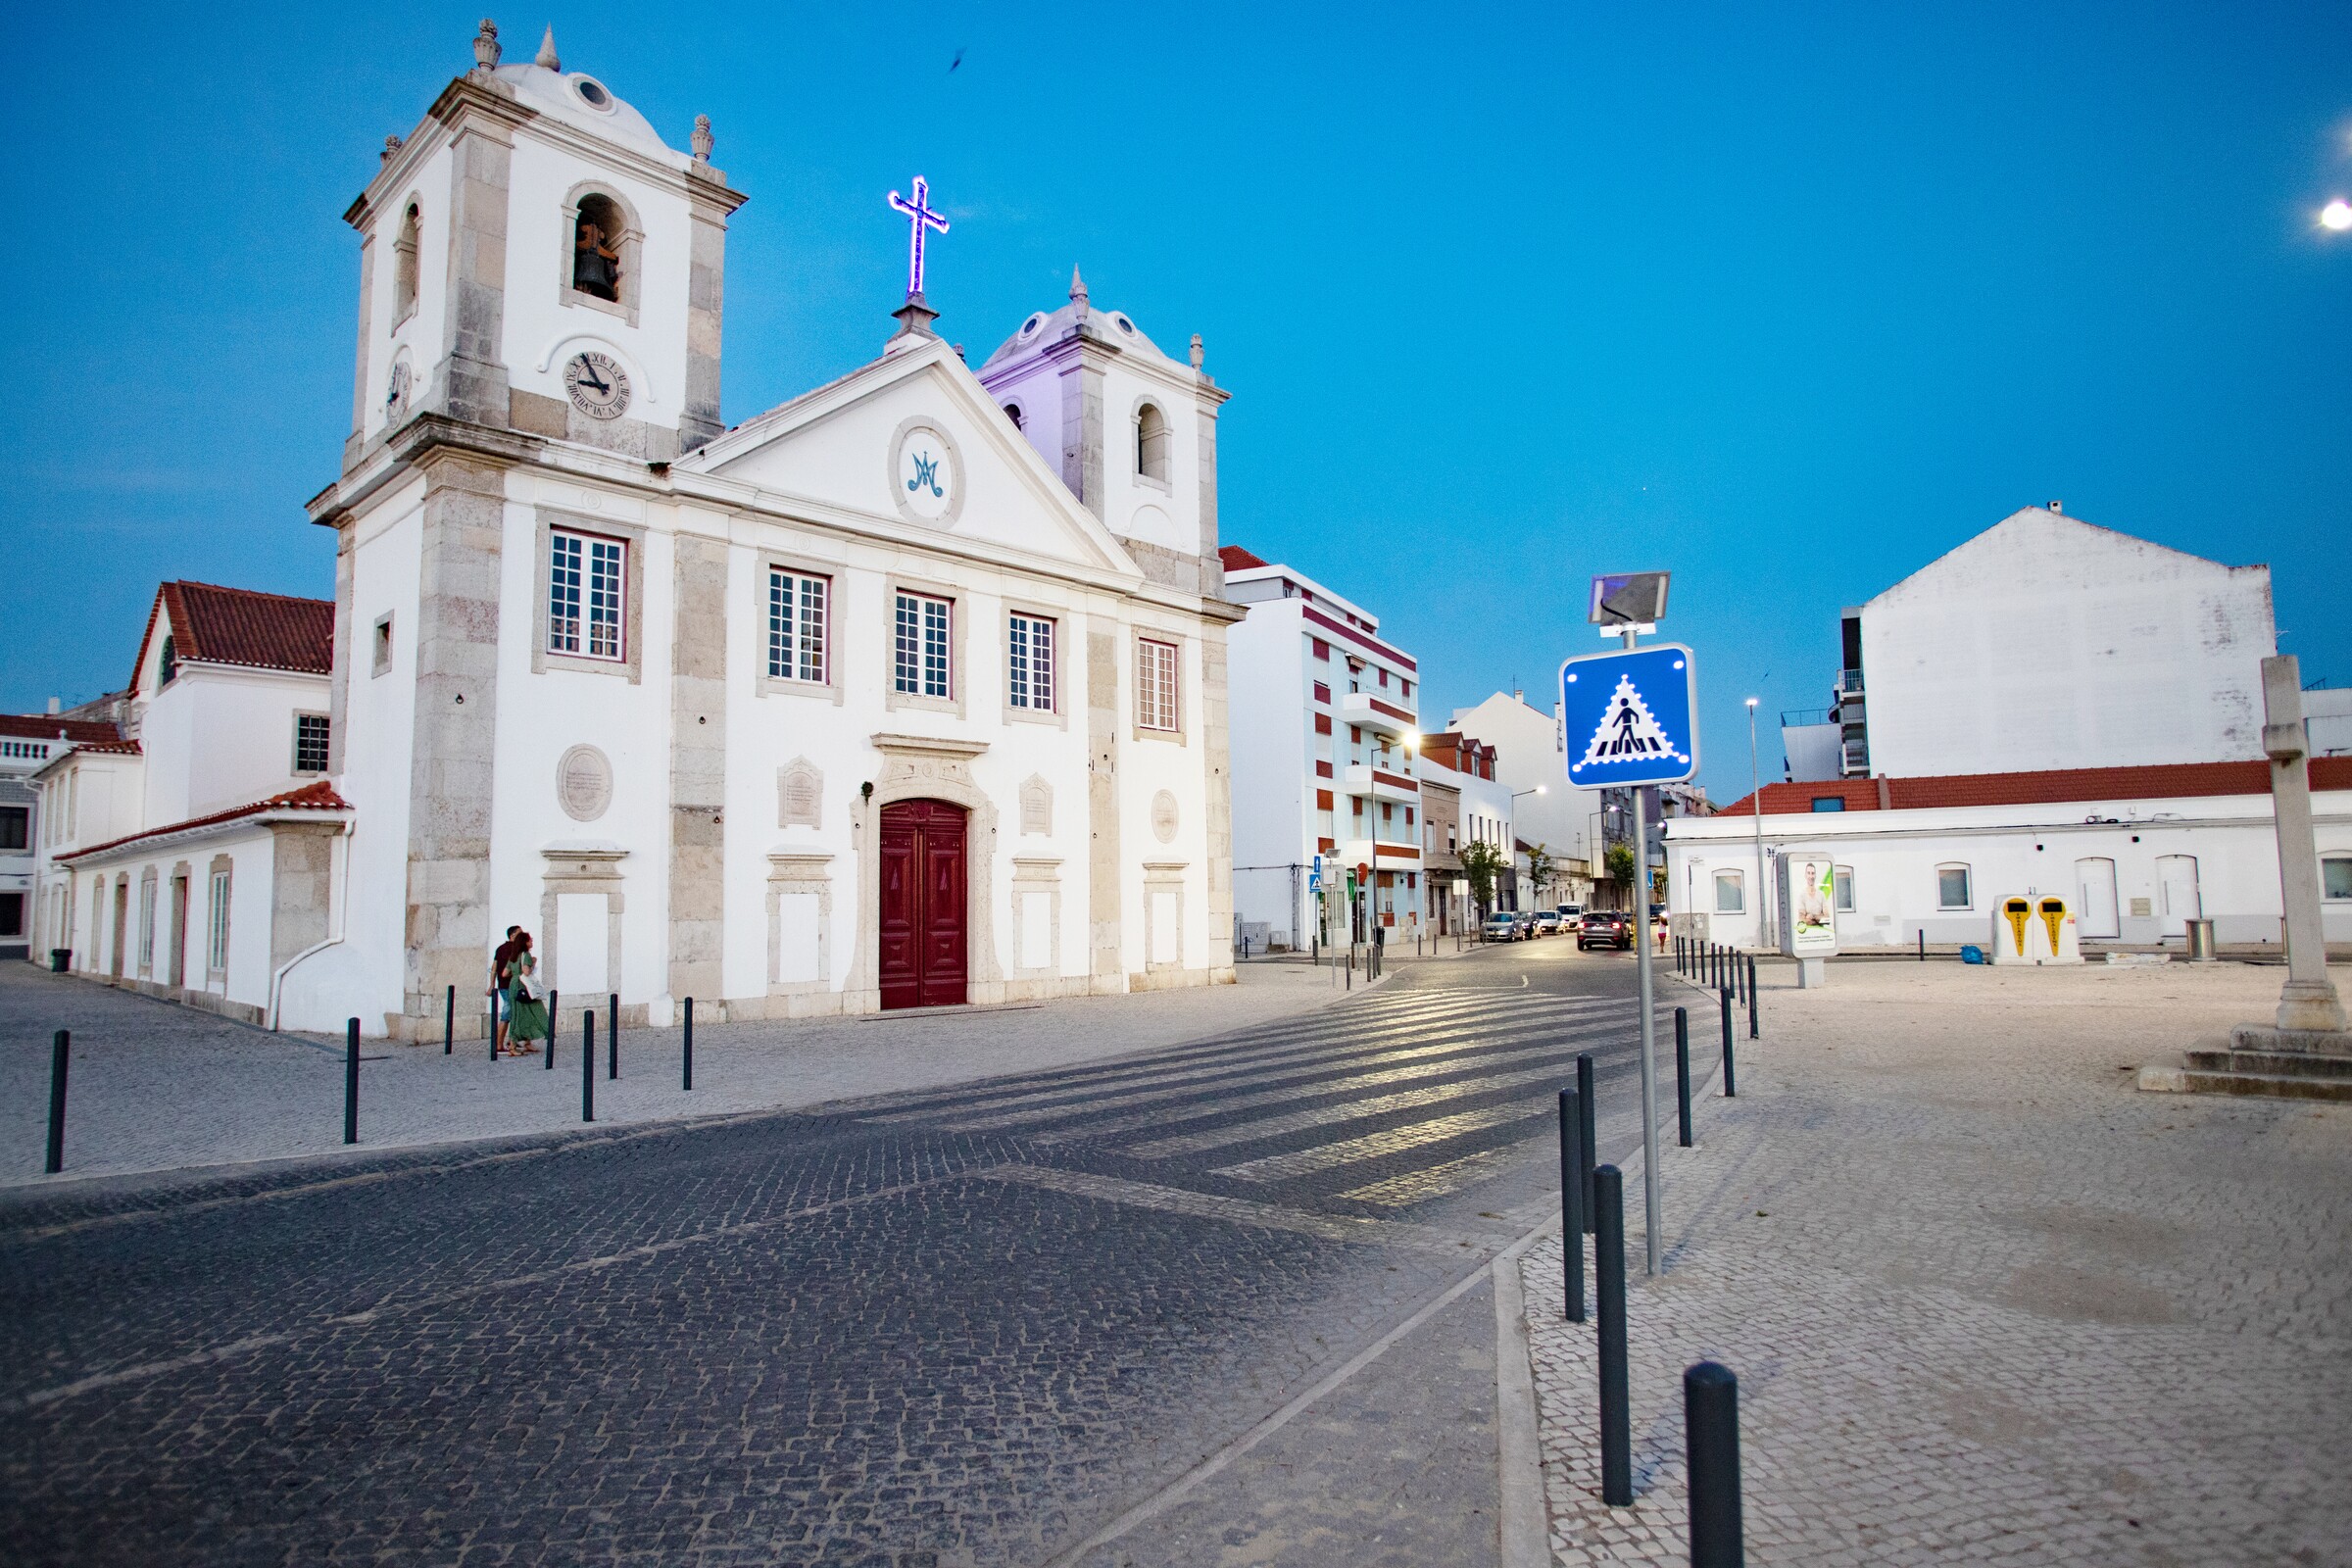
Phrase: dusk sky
(1783, 300)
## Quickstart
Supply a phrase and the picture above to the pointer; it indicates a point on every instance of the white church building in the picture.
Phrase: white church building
(908, 692)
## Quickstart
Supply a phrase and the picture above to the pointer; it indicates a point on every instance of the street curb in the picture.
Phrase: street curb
(1523, 1522)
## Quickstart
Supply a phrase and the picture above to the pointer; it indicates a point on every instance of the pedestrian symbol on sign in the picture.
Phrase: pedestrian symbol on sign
(1627, 731)
(1628, 716)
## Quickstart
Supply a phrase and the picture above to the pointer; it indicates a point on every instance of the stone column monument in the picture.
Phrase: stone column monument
(2311, 1017)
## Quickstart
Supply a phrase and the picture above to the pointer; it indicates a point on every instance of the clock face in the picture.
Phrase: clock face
(599, 387)
(926, 479)
(396, 391)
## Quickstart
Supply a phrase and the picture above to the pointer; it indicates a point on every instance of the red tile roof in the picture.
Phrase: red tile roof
(110, 748)
(1236, 559)
(239, 626)
(49, 727)
(318, 795)
(2159, 781)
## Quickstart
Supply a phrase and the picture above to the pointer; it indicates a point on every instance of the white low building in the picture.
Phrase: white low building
(2137, 853)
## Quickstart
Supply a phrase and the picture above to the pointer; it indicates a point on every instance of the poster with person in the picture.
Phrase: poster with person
(1807, 885)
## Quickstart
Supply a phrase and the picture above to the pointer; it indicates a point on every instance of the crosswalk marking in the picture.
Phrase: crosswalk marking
(1239, 1210)
(1372, 1145)
(1441, 1179)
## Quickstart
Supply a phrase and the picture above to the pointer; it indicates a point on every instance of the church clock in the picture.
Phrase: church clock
(599, 387)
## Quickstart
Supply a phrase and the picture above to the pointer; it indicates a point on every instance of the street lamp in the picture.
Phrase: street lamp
(1755, 788)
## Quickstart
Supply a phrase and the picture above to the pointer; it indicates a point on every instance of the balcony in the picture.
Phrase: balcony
(1403, 855)
(1378, 714)
(1849, 683)
(1381, 784)
(1857, 758)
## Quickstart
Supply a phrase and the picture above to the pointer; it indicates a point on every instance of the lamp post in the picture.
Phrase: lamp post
(1765, 907)
(1512, 852)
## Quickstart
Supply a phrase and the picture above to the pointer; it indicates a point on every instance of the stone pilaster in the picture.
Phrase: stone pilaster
(1216, 744)
(446, 940)
(697, 768)
(1106, 967)
(361, 361)
(1082, 428)
(1212, 567)
(302, 858)
(473, 379)
(338, 703)
(706, 299)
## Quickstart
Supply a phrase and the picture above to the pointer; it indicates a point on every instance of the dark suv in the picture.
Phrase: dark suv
(1611, 928)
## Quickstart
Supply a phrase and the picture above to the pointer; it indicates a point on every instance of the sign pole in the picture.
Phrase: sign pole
(1652, 1249)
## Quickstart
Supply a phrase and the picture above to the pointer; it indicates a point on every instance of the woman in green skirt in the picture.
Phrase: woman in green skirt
(526, 1002)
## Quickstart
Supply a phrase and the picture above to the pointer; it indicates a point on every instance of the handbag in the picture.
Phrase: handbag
(526, 985)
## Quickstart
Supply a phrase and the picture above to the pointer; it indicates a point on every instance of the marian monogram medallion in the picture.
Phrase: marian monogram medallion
(926, 474)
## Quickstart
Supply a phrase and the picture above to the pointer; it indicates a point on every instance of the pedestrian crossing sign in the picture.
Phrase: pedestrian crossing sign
(1629, 716)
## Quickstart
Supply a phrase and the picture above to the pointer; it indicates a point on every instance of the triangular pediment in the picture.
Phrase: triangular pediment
(912, 444)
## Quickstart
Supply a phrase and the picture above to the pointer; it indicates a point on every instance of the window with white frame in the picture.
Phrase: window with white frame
(2335, 877)
(147, 923)
(1156, 692)
(585, 584)
(1952, 891)
(1845, 893)
(798, 606)
(1029, 662)
(309, 742)
(1731, 893)
(216, 948)
(919, 650)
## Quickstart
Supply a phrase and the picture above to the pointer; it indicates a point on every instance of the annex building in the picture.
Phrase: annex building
(908, 692)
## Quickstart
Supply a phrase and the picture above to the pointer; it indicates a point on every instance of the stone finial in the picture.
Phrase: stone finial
(1198, 356)
(392, 145)
(1077, 288)
(485, 46)
(703, 140)
(547, 51)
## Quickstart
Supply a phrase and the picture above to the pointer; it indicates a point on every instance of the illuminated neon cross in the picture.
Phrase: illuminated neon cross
(919, 217)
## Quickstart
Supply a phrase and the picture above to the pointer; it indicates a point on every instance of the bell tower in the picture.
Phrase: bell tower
(535, 258)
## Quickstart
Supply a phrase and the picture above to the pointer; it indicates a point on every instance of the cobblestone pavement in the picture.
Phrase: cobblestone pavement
(1005, 1322)
(240, 1092)
(1986, 1303)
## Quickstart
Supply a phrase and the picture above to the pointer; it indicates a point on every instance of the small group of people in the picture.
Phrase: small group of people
(522, 1002)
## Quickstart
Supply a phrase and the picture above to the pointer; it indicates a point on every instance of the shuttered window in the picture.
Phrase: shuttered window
(1156, 693)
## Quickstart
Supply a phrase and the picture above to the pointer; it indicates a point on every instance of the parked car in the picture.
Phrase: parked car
(1571, 913)
(1610, 928)
(1501, 926)
(1527, 923)
(1547, 922)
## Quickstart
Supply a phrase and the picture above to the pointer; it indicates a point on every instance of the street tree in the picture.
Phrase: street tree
(1482, 863)
(1540, 874)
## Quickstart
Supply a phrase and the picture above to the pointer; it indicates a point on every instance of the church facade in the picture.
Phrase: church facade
(908, 692)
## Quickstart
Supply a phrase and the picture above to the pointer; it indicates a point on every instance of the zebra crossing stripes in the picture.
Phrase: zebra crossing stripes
(1375, 1145)
(1437, 1181)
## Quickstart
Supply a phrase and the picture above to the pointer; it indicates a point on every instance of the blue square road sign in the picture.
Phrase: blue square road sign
(1629, 716)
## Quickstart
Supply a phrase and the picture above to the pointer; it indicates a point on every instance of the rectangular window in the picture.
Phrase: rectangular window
(1322, 723)
(1322, 692)
(1156, 706)
(1384, 677)
(309, 742)
(1322, 769)
(1322, 800)
(1029, 674)
(919, 646)
(1405, 690)
(1322, 648)
(2335, 878)
(1846, 890)
(796, 625)
(15, 826)
(382, 658)
(147, 924)
(1952, 887)
(585, 587)
(1828, 803)
(216, 950)
(1731, 897)
(12, 915)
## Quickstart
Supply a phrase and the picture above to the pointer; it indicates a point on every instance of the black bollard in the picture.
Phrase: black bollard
(686, 1057)
(1711, 1451)
(490, 1024)
(587, 1062)
(554, 1014)
(1922, 944)
(1731, 1090)
(351, 1081)
(1751, 998)
(449, 1023)
(1608, 1268)
(1587, 1106)
(1572, 1205)
(1681, 1071)
(60, 1046)
(613, 1035)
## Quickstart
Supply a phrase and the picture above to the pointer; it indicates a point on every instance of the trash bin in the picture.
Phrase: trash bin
(59, 958)
(2200, 941)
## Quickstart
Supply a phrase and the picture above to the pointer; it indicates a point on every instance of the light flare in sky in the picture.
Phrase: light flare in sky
(2336, 215)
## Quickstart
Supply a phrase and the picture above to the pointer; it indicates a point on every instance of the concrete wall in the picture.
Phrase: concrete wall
(1276, 822)
(220, 737)
(1527, 744)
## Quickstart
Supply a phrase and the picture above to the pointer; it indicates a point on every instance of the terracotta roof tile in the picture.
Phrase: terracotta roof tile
(240, 626)
(2159, 781)
(1236, 559)
(317, 796)
(48, 727)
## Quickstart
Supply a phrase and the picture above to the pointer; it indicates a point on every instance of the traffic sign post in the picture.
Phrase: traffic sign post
(1630, 719)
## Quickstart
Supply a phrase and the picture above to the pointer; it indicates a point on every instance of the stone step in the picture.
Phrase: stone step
(2273, 1085)
(2270, 1064)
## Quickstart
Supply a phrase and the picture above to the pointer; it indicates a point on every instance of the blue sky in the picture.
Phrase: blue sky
(1786, 299)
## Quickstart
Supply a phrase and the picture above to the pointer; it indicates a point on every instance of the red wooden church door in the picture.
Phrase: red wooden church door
(923, 904)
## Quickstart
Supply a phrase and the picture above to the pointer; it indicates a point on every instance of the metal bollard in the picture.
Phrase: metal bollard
(449, 1023)
(59, 1048)
(553, 1014)
(587, 1062)
(1608, 1268)
(1922, 944)
(1572, 1205)
(686, 1057)
(1588, 1106)
(1681, 1071)
(1751, 998)
(351, 1081)
(613, 1035)
(490, 1024)
(1711, 1454)
(1731, 1090)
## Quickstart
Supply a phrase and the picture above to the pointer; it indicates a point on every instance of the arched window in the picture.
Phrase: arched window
(1013, 411)
(167, 664)
(404, 266)
(1152, 443)
(596, 247)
